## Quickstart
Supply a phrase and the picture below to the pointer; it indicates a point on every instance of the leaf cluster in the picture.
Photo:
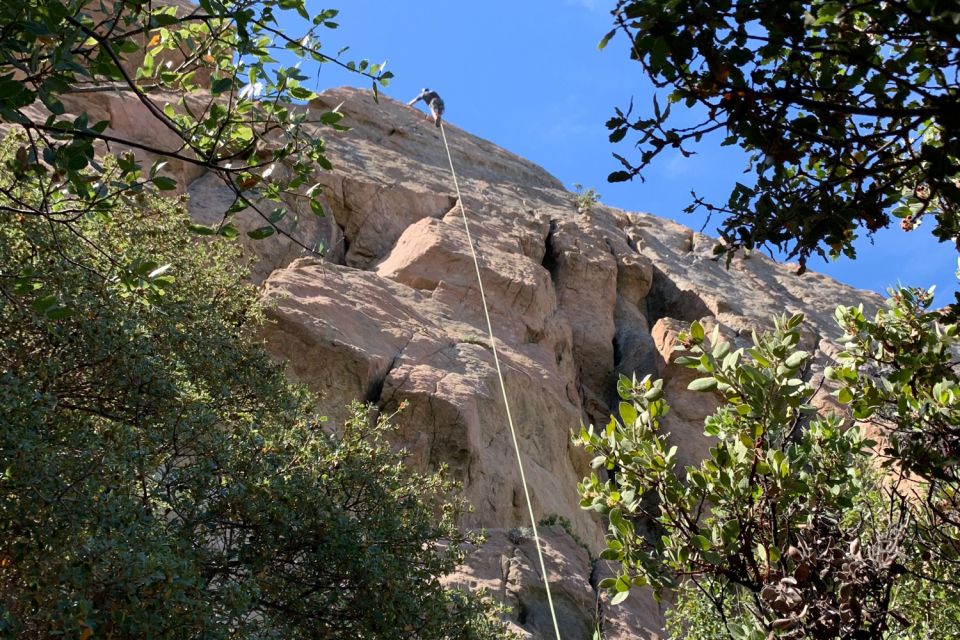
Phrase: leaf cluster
(584, 199)
(771, 531)
(847, 110)
(212, 80)
(160, 478)
(912, 394)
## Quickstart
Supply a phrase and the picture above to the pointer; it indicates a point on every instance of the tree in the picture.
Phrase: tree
(848, 111)
(788, 529)
(207, 74)
(160, 478)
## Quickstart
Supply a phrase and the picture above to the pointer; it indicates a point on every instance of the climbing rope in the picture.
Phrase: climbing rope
(503, 388)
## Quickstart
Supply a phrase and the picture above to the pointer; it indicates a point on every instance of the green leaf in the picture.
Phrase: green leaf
(164, 183)
(697, 332)
(762, 553)
(796, 359)
(612, 555)
(603, 42)
(628, 413)
(162, 19)
(655, 392)
(261, 232)
(616, 518)
(758, 355)
(156, 167)
(619, 597)
(730, 531)
(721, 349)
(607, 583)
(43, 303)
(201, 229)
(220, 85)
(701, 542)
(703, 384)
(59, 313)
(302, 93)
(24, 286)
(229, 231)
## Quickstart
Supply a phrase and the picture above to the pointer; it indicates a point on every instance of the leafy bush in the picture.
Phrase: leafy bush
(219, 78)
(786, 529)
(912, 392)
(160, 478)
(584, 199)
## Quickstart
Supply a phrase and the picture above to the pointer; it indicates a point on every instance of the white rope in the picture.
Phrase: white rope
(503, 389)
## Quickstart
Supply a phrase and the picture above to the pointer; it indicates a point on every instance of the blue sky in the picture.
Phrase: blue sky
(527, 75)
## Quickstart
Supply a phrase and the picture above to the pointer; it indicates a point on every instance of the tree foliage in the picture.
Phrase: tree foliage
(912, 392)
(848, 111)
(160, 478)
(786, 529)
(244, 125)
(797, 525)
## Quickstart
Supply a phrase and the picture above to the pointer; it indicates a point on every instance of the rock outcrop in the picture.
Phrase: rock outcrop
(392, 314)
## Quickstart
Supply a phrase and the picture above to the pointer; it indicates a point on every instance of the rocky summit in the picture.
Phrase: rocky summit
(391, 314)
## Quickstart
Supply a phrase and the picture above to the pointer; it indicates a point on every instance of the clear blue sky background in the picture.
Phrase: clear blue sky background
(527, 75)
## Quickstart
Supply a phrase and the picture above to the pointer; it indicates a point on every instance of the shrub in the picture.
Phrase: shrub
(584, 199)
(787, 529)
(160, 478)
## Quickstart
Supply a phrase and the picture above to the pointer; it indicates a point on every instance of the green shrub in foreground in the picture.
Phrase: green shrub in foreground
(796, 525)
(159, 478)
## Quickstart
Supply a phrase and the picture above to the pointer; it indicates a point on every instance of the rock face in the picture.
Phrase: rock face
(392, 314)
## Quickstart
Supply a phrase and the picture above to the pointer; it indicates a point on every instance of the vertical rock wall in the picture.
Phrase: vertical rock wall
(392, 314)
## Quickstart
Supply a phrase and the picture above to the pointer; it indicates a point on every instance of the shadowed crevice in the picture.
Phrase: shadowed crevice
(667, 300)
(375, 390)
(549, 261)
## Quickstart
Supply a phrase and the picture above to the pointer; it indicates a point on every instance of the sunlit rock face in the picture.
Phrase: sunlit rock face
(392, 314)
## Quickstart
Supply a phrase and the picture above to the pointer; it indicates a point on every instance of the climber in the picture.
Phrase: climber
(432, 98)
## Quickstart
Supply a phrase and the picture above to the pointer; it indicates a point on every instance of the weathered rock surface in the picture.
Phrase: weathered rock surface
(506, 567)
(393, 314)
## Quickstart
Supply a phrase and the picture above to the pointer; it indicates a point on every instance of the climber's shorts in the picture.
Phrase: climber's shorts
(436, 108)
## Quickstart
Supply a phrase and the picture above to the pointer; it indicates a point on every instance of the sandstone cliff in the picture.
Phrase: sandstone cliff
(392, 314)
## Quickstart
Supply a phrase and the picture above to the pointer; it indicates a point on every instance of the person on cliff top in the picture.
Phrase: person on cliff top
(432, 98)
